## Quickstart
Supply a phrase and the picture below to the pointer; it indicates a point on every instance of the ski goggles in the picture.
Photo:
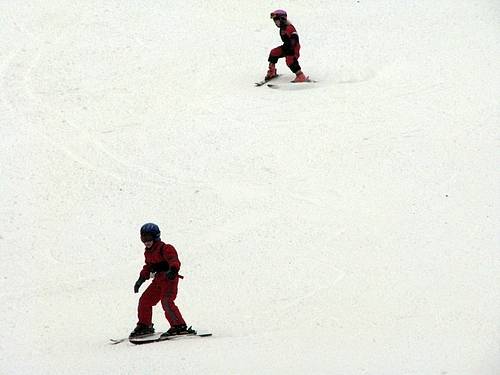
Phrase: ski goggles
(145, 239)
(276, 15)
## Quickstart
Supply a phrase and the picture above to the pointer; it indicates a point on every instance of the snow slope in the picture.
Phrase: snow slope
(347, 228)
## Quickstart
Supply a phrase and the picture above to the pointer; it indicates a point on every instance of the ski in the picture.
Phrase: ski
(289, 84)
(264, 81)
(159, 337)
(155, 337)
(117, 341)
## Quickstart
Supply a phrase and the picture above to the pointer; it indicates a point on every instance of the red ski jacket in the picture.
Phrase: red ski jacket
(290, 39)
(160, 257)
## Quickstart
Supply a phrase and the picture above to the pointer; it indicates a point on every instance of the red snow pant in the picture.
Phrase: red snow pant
(164, 290)
(292, 60)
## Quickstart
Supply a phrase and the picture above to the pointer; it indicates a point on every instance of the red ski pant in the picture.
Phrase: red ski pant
(164, 290)
(292, 60)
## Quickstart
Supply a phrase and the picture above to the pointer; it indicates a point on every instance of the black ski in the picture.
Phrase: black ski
(264, 81)
(146, 339)
(156, 338)
(290, 84)
(117, 341)
(148, 335)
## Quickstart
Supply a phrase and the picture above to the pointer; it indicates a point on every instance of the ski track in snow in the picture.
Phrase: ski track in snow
(51, 129)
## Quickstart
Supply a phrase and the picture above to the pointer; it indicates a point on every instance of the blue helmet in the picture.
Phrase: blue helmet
(151, 230)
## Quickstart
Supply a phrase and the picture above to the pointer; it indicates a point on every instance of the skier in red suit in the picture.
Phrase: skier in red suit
(290, 49)
(161, 260)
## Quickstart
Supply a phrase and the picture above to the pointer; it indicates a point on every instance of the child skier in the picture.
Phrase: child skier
(289, 49)
(162, 261)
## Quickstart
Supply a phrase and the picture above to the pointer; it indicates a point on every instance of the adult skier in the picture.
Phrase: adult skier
(290, 49)
(161, 260)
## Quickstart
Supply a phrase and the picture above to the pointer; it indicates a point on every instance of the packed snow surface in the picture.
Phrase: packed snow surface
(349, 226)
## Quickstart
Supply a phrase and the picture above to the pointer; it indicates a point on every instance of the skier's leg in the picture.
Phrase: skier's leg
(294, 66)
(172, 312)
(149, 298)
(274, 55)
(293, 63)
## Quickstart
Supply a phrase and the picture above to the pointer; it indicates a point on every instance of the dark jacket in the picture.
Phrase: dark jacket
(160, 257)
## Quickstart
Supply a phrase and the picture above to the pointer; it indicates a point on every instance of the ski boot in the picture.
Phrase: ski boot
(271, 73)
(142, 330)
(300, 77)
(181, 329)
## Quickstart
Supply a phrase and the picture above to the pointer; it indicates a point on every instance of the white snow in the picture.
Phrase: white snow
(348, 228)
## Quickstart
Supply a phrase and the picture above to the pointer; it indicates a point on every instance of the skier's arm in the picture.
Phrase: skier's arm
(170, 255)
(138, 284)
(291, 40)
(145, 272)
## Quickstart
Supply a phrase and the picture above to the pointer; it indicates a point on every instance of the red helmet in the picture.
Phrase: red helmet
(279, 13)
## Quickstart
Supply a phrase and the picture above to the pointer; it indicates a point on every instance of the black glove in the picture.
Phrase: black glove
(171, 273)
(158, 267)
(138, 284)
